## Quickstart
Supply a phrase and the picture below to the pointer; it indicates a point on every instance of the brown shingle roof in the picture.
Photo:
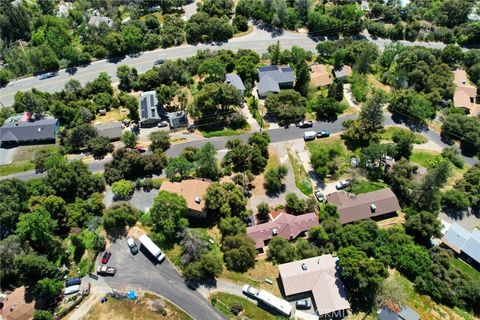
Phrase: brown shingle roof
(464, 91)
(16, 308)
(287, 226)
(320, 76)
(191, 190)
(318, 275)
(357, 207)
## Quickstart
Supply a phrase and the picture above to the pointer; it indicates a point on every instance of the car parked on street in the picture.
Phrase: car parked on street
(106, 256)
(309, 135)
(305, 124)
(343, 184)
(303, 304)
(47, 75)
(132, 246)
(319, 195)
(323, 134)
(250, 291)
(159, 61)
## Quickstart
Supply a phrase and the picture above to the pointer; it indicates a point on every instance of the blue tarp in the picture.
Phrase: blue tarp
(132, 295)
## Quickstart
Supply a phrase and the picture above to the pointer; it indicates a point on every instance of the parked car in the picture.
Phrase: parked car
(47, 75)
(71, 289)
(309, 135)
(73, 282)
(354, 162)
(319, 195)
(323, 134)
(250, 291)
(303, 304)
(159, 61)
(106, 271)
(343, 184)
(133, 247)
(305, 124)
(106, 256)
(162, 124)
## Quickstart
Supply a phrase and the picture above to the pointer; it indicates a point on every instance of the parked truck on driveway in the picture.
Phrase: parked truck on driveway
(151, 247)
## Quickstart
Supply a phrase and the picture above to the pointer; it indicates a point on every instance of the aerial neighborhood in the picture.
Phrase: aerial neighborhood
(239, 159)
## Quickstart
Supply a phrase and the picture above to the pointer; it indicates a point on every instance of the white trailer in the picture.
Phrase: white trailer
(148, 244)
(275, 302)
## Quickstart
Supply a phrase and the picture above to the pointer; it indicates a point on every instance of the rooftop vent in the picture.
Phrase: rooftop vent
(198, 199)
(228, 81)
(373, 207)
(274, 231)
(464, 81)
(304, 267)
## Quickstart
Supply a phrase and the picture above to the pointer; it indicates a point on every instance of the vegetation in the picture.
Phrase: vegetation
(302, 181)
(223, 302)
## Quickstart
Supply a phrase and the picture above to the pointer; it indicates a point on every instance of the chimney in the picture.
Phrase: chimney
(198, 200)
(373, 207)
(274, 231)
(304, 266)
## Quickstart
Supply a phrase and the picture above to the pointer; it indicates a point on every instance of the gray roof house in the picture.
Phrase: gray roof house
(464, 243)
(177, 119)
(405, 313)
(343, 73)
(15, 130)
(234, 80)
(97, 20)
(111, 130)
(149, 109)
(273, 78)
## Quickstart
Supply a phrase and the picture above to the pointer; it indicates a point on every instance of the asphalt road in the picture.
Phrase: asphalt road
(258, 40)
(140, 273)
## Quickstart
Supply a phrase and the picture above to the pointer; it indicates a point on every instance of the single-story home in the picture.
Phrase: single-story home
(24, 129)
(352, 207)
(234, 79)
(96, 21)
(18, 306)
(177, 119)
(466, 244)
(320, 277)
(193, 190)
(273, 78)
(403, 313)
(465, 93)
(111, 130)
(284, 225)
(320, 76)
(149, 109)
(343, 73)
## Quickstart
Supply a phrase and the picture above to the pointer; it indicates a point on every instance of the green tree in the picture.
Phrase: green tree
(302, 73)
(288, 106)
(100, 146)
(79, 137)
(335, 91)
(32, 267)
(456, 199)
(43, 315)
(239, 253)
(281, 251)
(274, 52)
(231, 226)
(213, 68)
(127, 76)
(160, 140)
(168, 214)
(205, 164)
(224, 199)
(294, 204)
(37, 229)
(305, 249)
(428, 197)
(132, 35)
(179, 169)
(274, 179)
(263, 212)
(422, 225)
(119, 215)
(122, 189)
(49, 288)
(404, 141)
(129, 139)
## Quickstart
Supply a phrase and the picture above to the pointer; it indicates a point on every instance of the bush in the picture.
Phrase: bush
(236, 308)
(146, 219)
(453, 155)
(120, 215)
(43, 315)
(274, 179)
(240, 23)
(122, 189)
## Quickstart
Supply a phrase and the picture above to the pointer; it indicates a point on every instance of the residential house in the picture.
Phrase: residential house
(111, 130)
(343, 73)
(320, 76)
(273, 78)
(403, 313)
(177, 119)
(466, 244)
(284, 225)
(465, 93)
(24, 129)
(149, 109)
(319, 277)
(96, 21)
(373, 204)
(193, 190)
(234, 80)
(18, 306)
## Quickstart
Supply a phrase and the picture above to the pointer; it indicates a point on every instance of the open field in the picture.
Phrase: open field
(224, 301)
(389, 131)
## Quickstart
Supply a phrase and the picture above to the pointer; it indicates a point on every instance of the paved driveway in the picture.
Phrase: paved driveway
(6, 155)
(140, 273)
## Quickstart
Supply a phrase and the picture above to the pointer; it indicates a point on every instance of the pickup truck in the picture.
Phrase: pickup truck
(106, 271)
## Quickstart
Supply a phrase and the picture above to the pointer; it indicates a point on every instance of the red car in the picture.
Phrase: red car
(106, 257)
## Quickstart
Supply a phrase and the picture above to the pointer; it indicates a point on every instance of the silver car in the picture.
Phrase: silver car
(319, 195)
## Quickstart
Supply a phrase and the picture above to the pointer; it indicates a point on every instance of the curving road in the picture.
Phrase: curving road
(258, 40)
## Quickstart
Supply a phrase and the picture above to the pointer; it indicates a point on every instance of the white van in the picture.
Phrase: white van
(72, 289)
(309, 135)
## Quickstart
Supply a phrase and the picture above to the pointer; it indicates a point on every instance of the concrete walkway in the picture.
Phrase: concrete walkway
(347, 93)
(254, 126)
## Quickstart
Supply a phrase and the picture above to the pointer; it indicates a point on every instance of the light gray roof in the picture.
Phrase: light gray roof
(234, 80)
(149, 108)
(267, 84)
(97, 20)
(111, 130)
(43, 129)
(472, 246)
(280, 74)
(319, 275)
(405, 314)
(455, 237)
(345, 71)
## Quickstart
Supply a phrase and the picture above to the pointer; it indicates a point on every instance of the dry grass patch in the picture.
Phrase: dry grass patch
(377, 84)
(113, 115)
(26, 153)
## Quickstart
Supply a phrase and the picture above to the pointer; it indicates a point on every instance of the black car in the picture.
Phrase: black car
(73, 282)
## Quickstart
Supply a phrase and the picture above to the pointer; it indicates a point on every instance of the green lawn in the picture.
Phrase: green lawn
(224, 301)
(467, 269)
(16, 168)
(427, 159)
(302, 180)
(389, 131)
(364, 186)
(22, 158)
(223, 133)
